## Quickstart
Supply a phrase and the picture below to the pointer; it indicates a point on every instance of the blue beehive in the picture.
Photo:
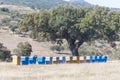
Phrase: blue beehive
(93, 58)
(32, 60)
(98, 59)
(41, 60)
(61, 60)
(24, 60)
(48, 60)
(103, 58)
(88, 59)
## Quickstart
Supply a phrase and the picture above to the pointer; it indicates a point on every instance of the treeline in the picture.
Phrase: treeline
(75, 24)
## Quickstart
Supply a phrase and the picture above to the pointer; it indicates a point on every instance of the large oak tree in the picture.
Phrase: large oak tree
(75, 24)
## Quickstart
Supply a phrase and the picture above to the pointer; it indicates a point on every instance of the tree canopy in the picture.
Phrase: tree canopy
(75, 24)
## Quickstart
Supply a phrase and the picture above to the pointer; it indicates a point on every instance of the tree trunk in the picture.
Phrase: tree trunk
(74, 46)
(75, 52)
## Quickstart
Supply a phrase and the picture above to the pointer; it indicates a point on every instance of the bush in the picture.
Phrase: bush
(23, 49)
(91, 53)
(57, 48)
(4, 53)
(115, 55)
(12, 28)
(86, 50)
(5, 10)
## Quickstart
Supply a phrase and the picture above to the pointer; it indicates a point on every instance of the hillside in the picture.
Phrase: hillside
(115, 9)
(79, 2)
(11, 40)
(42, 3)
(10, 15)
(17, 9)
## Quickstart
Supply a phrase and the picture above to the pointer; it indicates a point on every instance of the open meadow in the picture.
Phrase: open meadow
(85, 71)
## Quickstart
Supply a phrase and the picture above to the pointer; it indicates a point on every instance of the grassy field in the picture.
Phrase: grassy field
(86, 71)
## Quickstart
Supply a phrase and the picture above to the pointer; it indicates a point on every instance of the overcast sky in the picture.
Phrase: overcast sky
(107, 3)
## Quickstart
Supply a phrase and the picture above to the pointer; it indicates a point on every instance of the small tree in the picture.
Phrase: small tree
(23, 49)
(4, 53)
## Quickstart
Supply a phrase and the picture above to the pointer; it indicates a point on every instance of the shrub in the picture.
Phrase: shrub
(86, 50)
(91, 53)
(57, 48)
(12, 28)
(115, 55)
(23, 49)
(4, 53)
(5, 10)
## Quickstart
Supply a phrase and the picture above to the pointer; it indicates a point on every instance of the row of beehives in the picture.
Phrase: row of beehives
(23, 60)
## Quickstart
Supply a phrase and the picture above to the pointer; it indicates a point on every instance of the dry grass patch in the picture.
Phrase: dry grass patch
(87, 71)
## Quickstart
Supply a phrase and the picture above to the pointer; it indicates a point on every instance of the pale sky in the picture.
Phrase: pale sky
(107, 3)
